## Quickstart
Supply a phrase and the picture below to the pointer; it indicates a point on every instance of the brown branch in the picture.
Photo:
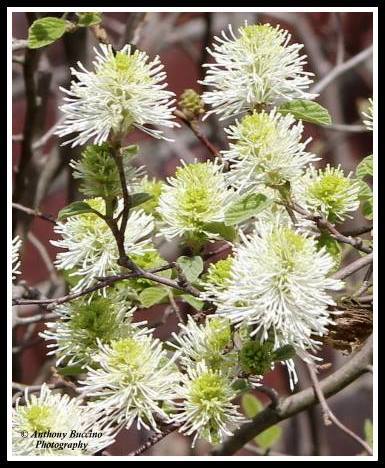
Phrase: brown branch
(105, 282)
(30, 211)
(300, 401)
(30, 121)
(323, 224)
(341, 69)
(154, 439)
(328, 416)
(353, 267)
(358, 231)
(193, 125)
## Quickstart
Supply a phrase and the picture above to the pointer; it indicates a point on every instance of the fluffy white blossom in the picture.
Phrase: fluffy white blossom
(256, 66)
(55, 417)
(135, 381)
(210, 342)
(82, 324)
(279, 286)
(266, 149)
(90, 247)
(328, 192)
(206, 409)
(368, 121)
(193, 200)
(125, 90)
(16, 244)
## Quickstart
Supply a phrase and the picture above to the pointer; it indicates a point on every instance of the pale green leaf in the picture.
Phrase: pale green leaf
(226, 232)
(151, 296)
(245, 208)
(269, 437)
(74, 209)
(193, 301)
(251, 405)
(139, 198)
(71, 370)
(44, 31)
(308, 111)
(89, 19)
(192, 267)
(365, 167)
(368, 430)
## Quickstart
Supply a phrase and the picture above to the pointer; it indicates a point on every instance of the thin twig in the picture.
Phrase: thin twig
(54, 302)
(328, 416)
(271, 393)
(39, 214)
(193, 125)
(347, 128)
(341, 69)
(353, 267)
(45, 257)
(154, 439)
(357, 231)
(323, 224)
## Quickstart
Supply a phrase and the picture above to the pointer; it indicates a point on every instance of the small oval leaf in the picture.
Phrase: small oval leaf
(74, 209)
(226, 232)
(192, 267)
(365, 167)
(88, 19)
(193, 301)
(44, 31)
(139, 198)
(248, 206)
(151, 296)
(309, 111)
(251, 405)
(269, 437)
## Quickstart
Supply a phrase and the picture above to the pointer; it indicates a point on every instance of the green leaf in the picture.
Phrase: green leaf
(241, 385)
(71, 370)
(309, 111)
(226, 232)
(365, 195)
(70, 278)
(247, 206)
(367, 209)
(139, 198)
(368, 430)
(130, 151)
(269, 437)
(193, 301)
(46, 30)
(365, 167)
(151, 296)
(74, 209)
(365, 192)
(283, 353)
(192, 267)
(333, 247)
(251, 405)
(89, 19)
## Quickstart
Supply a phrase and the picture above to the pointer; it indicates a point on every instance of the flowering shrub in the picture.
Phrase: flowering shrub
(272, 296)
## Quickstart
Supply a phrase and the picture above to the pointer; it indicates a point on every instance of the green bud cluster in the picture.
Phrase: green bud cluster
(191, 104)
(257, 357)
(98, 172)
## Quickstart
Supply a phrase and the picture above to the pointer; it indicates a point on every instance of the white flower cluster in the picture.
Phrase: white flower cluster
(126, 90)
(55, 424)
(91, 249)
(257, 66)
(16, 245)
(269, 300)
